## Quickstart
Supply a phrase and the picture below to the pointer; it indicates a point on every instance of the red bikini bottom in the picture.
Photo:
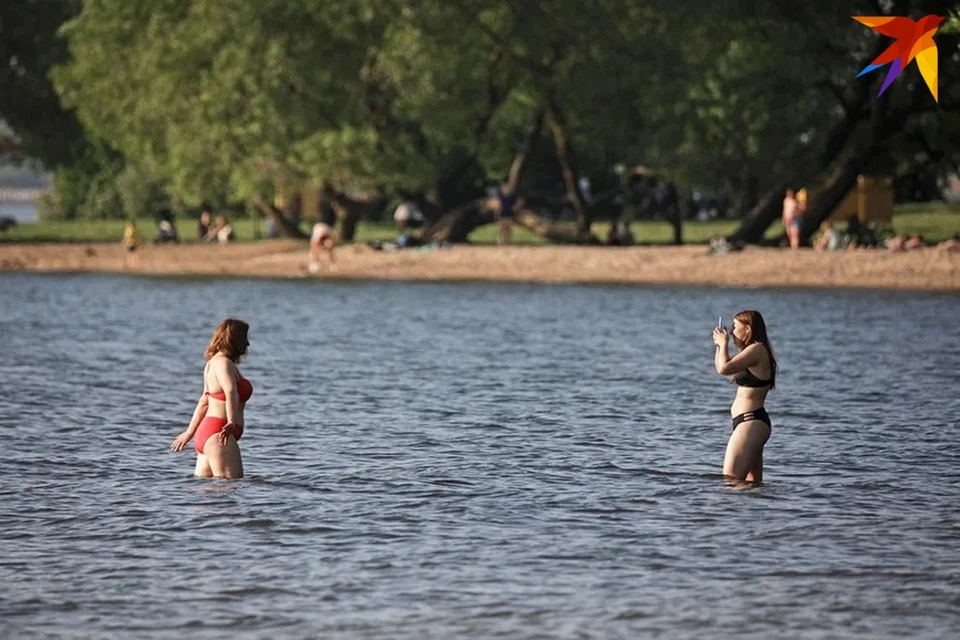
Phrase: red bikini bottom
(211, 426)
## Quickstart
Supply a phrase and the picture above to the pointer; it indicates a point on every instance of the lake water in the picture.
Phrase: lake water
(21, 212)
(475, 461)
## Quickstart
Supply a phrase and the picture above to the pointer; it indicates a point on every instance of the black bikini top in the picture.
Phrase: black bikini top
(747, 379)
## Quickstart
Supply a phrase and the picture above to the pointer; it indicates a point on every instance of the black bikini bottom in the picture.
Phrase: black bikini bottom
(757, 414)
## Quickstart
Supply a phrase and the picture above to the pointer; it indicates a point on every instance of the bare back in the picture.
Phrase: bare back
(216, 369)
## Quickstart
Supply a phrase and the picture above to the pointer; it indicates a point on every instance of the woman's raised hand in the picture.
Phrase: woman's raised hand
(720, 336)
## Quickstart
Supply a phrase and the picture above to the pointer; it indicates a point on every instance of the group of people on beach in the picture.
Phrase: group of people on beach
(210, 229)
(856, 236)
(217, 423)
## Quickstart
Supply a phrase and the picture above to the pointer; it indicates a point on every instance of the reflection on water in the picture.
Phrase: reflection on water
(474, 461)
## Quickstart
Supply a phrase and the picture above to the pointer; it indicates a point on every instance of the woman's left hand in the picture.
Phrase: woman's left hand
(720, 337)
(227, 430)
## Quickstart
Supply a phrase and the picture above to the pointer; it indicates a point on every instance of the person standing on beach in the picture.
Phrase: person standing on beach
(754, 371)
(131, 242)
(791, 218)
(321, 241)
(507, 204)
(217, 422)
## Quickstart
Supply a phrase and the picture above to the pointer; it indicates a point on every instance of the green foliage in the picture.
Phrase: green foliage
(952, 23)
(85, 189)
(140, 193)
(29, 107)
(220, 100)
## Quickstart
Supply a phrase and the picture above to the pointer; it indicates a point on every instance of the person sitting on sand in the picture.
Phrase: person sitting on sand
(221, 231)
(915, 242)
(859, 235)
(895, 243)
(950, 245)
(407, 215)
(203, 227)
(829, 238)
(613, 235)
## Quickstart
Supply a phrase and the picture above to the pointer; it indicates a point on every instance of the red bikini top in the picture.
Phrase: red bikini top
(244, 390)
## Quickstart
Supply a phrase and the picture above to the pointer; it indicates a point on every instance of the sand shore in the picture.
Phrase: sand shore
(923, 269)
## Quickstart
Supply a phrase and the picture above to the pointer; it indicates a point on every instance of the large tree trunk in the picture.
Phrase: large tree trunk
(569, 168)
(351, 210)
(676, 220)
(555, 233)
(858, 104)
(286, 226)
(834, 189)
(836, 186)
(764, 213)
(458, 224)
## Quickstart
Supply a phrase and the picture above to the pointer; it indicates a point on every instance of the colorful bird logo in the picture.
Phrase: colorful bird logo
(914, 40)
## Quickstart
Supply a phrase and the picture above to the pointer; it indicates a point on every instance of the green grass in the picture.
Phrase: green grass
(935, 220)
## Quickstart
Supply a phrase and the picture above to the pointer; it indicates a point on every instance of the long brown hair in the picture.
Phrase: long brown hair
(230, 338)
(758, 333)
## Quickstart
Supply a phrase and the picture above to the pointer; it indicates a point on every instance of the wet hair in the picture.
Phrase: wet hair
(758, 333)
(230, 338)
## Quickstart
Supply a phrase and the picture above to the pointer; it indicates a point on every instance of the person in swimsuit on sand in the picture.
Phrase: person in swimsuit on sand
(754, 370)
(219, 410)
(321, 241)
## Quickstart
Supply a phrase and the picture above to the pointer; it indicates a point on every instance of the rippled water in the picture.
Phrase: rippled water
(475, 460)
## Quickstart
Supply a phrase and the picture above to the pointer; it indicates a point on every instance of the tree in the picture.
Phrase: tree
(902, 132)
(39, 128)
(230, 99)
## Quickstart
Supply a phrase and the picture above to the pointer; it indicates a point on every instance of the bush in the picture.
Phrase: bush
(141, 194)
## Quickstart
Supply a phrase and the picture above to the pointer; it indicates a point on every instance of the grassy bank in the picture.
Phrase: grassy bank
(935, 220)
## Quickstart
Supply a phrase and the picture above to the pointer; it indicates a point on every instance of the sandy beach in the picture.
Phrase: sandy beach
(923, 269)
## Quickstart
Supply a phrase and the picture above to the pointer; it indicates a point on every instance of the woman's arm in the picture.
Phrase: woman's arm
(198, 414)
(749, 357)
(227, 375)
(181, 440)
(722, 355)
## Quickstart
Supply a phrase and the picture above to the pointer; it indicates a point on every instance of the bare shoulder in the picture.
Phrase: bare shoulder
(222, 365)
(756, 354)
(763, 355)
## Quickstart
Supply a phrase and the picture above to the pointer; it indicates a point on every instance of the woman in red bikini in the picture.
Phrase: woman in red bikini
(754, 370)
(217, 422)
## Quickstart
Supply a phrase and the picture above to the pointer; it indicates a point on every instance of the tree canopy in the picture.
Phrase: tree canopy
(223, 98)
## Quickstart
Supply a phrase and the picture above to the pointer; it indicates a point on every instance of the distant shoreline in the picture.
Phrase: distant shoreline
(924, 269)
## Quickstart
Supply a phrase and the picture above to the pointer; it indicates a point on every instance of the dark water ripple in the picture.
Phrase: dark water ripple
(434, 461)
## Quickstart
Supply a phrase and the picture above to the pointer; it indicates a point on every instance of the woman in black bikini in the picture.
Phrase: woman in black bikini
(754, 370)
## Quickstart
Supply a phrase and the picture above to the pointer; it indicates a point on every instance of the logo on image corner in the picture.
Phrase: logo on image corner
(913, 40)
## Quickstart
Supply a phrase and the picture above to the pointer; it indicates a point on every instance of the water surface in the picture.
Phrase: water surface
(474, 460)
